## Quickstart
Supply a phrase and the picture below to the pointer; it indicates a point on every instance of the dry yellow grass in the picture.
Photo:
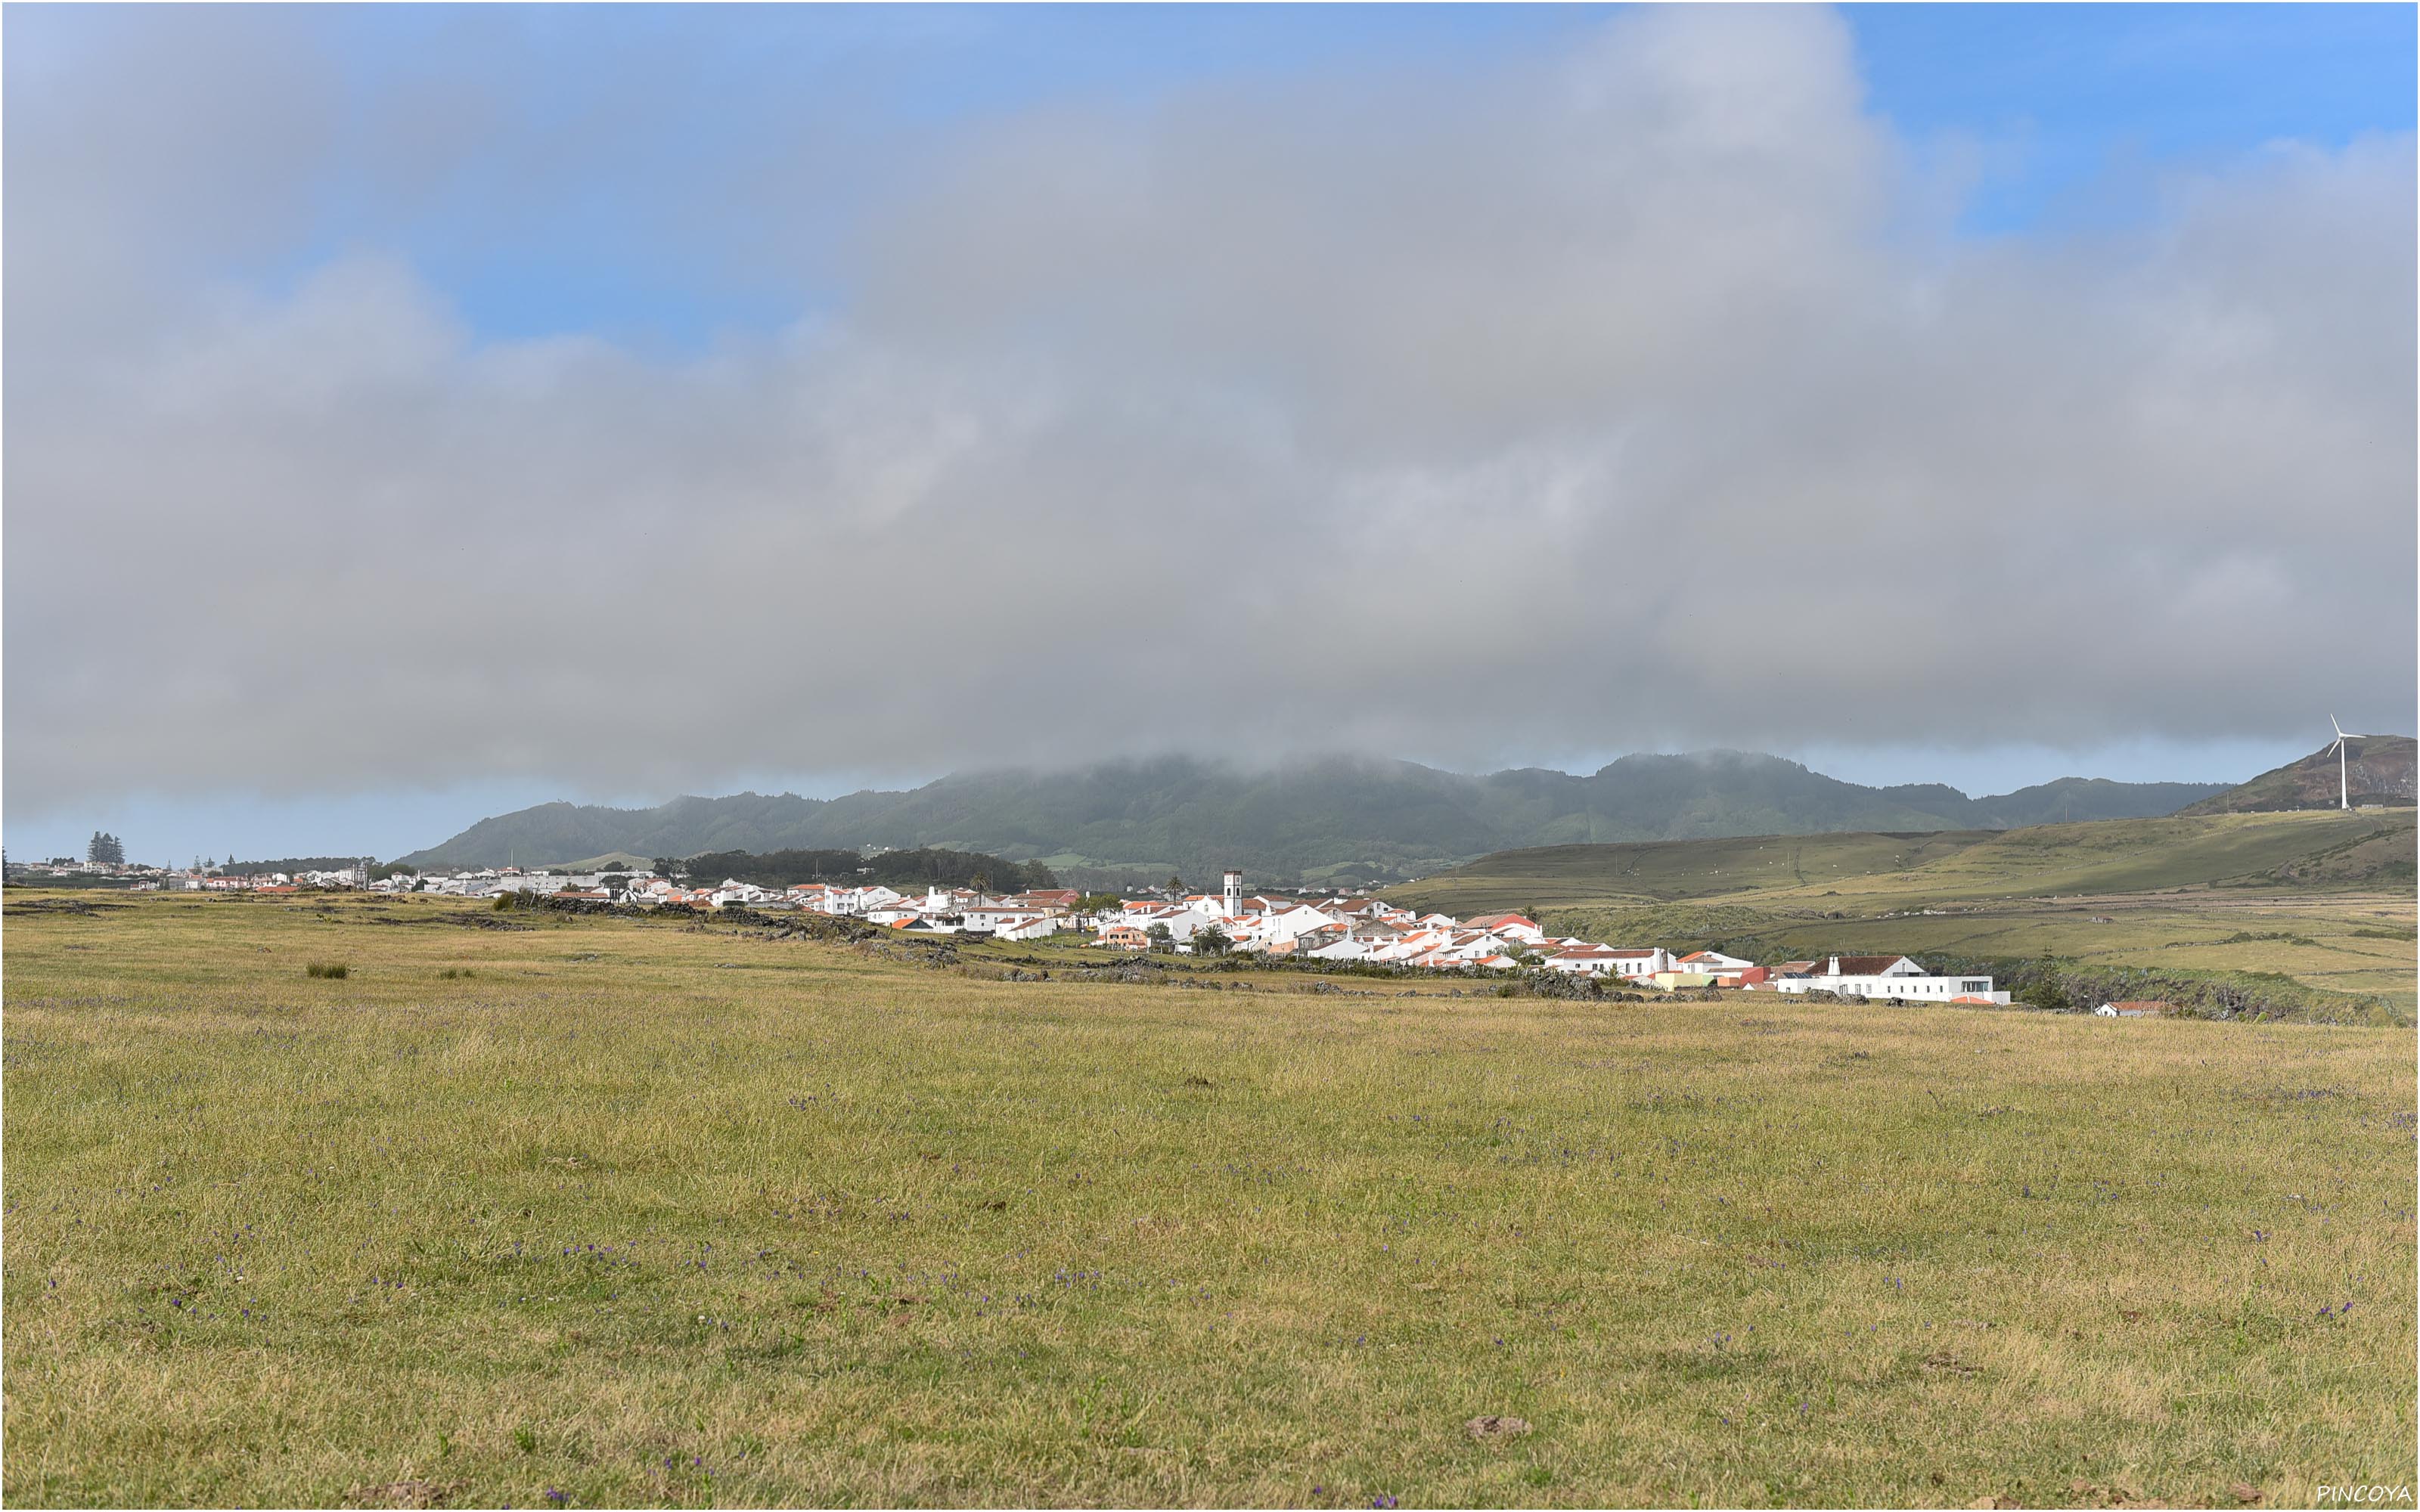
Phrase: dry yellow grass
(631, 1214)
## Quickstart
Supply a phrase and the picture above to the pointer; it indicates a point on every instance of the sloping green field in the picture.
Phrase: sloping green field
(1563, 876)
(599, 1212)
(2323, 899)
(2134, 856)
(2371, 848)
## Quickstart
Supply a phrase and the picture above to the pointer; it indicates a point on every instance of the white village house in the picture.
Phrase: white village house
(1889, 976)
(1609, 961)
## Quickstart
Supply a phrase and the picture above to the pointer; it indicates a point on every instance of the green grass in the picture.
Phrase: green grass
(2303, 896)
(1666, 871)
(641, 1212)
(2368, 847)
(2325, 943)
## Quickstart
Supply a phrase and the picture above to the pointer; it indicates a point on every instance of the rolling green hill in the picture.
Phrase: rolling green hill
(1670, 870)
(2308, 914)
(2371, 848)
(1337, 819)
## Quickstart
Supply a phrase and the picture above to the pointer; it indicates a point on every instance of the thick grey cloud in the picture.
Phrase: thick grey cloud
(1626, 396)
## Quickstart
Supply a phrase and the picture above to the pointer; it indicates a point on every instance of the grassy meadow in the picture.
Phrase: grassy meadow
(597, 1211)
(2372, 848)
(2323, 899)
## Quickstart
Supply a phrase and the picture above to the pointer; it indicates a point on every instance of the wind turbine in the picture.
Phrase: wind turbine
(2344, 784)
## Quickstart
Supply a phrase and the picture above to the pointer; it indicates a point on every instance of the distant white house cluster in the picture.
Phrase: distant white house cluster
(1320, 928)
(1372, 929)
(192, 879)
(1332, 927)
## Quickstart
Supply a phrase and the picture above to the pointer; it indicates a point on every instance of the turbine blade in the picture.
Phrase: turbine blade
(2339, 729)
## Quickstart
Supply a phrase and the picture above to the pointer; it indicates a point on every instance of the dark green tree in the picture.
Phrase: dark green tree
(922, 867)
